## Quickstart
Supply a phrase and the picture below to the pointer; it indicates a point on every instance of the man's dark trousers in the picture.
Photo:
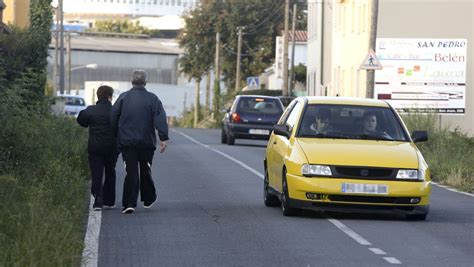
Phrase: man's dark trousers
(138, 167)
(105, 189)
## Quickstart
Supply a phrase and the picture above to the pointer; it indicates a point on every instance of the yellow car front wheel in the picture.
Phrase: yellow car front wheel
(269, 199)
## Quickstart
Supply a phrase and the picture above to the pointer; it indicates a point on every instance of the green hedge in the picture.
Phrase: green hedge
(43, 173)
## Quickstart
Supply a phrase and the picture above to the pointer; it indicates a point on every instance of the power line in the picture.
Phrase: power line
(264, 21)
(235, 53)
(275, 8)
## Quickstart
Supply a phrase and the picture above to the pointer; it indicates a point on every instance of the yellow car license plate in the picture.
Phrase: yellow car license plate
(378, 189)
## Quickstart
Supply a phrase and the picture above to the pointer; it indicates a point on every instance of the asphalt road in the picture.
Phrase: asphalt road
(210, 212)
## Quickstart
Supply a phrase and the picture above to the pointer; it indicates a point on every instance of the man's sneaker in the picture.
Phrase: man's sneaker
(108, 206)
(148, 205)
(97, 206)
(128, 210)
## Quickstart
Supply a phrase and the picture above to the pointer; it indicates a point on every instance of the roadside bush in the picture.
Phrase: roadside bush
(450, 154)
(187, 120)
(42, 184)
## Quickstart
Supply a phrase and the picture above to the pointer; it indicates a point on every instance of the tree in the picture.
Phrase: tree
(300, 73)
(198, 44)
(262, 21)
(23, 53)
(119, 26)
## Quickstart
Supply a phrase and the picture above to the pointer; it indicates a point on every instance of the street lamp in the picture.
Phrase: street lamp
(88, 66)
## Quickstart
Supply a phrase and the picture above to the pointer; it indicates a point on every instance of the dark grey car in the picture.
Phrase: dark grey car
(251, 117)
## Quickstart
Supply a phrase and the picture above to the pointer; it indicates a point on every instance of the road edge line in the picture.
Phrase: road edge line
(90, 254)
(449, 188)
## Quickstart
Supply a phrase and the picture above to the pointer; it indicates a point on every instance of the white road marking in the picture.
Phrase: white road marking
(378, 251)
(392, 260)
(90, 254)
(362, 241)
(348, 231)
(453, 189)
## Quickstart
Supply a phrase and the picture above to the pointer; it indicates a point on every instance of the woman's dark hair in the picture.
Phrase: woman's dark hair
(323, 114)
(104, 92)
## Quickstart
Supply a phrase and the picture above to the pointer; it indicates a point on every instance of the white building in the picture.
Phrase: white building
(338, 42)
(133, 8)
(273, 77)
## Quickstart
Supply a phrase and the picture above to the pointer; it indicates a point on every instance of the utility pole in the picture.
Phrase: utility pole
(184, 102)
(208, 92)
(56, 59)
(69, 62)
(61, 46)
(292, 72)
(217, 75)
(374, 10)
(197, 105)
(239, 51)
(285, 49)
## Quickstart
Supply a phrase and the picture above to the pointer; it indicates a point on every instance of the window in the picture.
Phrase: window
(74, 101)
(294, 116)
(351, 122)
(365, 18)
(354, 17)
(259, 105)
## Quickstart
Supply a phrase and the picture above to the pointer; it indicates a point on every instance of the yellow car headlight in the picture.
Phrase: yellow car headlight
(410, 175)
(315, 170)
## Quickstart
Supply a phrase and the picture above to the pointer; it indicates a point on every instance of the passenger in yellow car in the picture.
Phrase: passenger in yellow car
(322, 123)
(369, 124)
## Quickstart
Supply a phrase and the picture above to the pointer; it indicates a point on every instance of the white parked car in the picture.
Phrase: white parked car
(73, 104)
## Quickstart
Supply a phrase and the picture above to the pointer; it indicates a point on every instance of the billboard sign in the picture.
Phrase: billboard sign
(422, 75)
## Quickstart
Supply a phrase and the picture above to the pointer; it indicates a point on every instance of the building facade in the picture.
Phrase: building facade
(274, 75)
(443, 23)
(338, 42)
(17, 13)
(115, 58)
(85, 9)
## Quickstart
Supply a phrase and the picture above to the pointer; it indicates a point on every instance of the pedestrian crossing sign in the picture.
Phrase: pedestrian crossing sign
(371, 62)
(253, 83)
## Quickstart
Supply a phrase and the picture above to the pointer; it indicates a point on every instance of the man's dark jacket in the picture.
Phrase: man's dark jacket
(97, 118)
(135, 116)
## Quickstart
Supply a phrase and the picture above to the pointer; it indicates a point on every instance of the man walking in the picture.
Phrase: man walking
(102, 148)
(134, 117)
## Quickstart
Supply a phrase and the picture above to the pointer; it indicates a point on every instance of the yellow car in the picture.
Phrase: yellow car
(345, 154)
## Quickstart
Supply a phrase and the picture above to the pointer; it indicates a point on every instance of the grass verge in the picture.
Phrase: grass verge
(42, 185)
(450, 154)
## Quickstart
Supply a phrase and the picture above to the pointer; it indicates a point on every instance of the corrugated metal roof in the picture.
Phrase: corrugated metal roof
(125, 45)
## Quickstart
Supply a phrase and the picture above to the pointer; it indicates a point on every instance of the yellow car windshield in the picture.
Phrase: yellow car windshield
(351, 122)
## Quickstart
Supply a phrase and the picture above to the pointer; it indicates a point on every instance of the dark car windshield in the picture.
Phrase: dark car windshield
(351, 122)
(259, 105)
